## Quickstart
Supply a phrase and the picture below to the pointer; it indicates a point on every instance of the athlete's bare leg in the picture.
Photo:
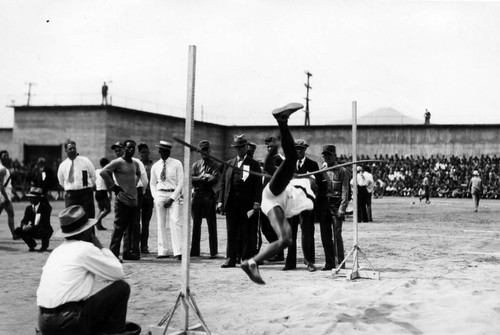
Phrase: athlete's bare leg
(277, 185)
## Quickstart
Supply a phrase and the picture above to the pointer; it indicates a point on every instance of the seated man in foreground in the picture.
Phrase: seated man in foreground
(64, 296)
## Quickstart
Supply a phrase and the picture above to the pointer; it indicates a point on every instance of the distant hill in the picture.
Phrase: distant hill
(386, 115)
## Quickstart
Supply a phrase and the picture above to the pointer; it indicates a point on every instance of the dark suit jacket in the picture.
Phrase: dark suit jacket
(311, 166)
(206, 185)
(29, 217)
(251, 188)
(49, 183)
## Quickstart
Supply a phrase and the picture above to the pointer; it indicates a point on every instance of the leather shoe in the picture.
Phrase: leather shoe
(327, 268)
(311, 268)
(42, 250)
(213, 256)
(162, 256)
(286, 268)
(228, 264)
(131, 257)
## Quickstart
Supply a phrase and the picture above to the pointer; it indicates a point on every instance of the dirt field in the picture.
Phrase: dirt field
(439, 266)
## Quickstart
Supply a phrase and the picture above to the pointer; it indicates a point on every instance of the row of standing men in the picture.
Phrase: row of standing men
(240, 195)
(233, 192)
(139, 186)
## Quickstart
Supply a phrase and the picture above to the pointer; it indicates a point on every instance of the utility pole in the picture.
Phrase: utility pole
(308, 87)
(29, 93)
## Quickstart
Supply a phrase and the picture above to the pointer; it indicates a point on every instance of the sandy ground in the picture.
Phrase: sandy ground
(438, 263)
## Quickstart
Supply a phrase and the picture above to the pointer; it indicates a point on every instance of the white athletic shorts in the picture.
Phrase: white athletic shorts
(297, 197)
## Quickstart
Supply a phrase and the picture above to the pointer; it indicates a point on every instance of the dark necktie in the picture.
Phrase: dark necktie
(163, 174)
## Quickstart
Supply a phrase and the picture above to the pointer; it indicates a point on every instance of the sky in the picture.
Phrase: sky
(251, 57)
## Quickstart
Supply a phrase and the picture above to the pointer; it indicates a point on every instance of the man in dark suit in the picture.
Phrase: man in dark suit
(36, 221)
(205, 176)
(305, 219)
(239, 193)
(44, 177)
(332, 201)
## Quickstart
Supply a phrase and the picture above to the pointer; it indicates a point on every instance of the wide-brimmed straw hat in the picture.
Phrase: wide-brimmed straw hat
(164, 145)
(73, 221)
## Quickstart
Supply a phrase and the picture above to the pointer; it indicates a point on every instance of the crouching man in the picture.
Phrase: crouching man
(64, 297)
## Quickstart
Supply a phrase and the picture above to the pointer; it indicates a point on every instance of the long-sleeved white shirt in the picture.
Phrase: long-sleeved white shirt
(174, 177)
(81, 164)
(70, 271)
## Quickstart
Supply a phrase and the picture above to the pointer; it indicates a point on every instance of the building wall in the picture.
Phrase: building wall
(151, 128)
(96, 128)
(53, 125)
(6, 139)
(389, 139)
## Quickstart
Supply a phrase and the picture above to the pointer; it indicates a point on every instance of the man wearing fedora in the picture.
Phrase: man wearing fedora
(205, 176)
(333, 198)
(306, 218)
(167, 180)
(65, 296)
(35, 223)
(239, 193)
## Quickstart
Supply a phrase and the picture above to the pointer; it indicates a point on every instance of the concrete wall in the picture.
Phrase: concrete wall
(151, 128)
(53, 125)
(95, 128)
(389, 139)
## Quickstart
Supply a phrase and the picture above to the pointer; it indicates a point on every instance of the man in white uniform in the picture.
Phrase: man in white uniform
(167, 177)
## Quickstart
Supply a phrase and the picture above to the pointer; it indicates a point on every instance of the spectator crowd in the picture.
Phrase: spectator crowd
(402, 176)
(395, 175)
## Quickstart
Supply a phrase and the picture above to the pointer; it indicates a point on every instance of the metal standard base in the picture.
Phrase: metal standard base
(188, 302)
(355, 272)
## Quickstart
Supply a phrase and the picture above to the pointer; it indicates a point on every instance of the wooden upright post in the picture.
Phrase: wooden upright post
(186, 191)
(355, 251)
(355, 185)
(185, 299)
